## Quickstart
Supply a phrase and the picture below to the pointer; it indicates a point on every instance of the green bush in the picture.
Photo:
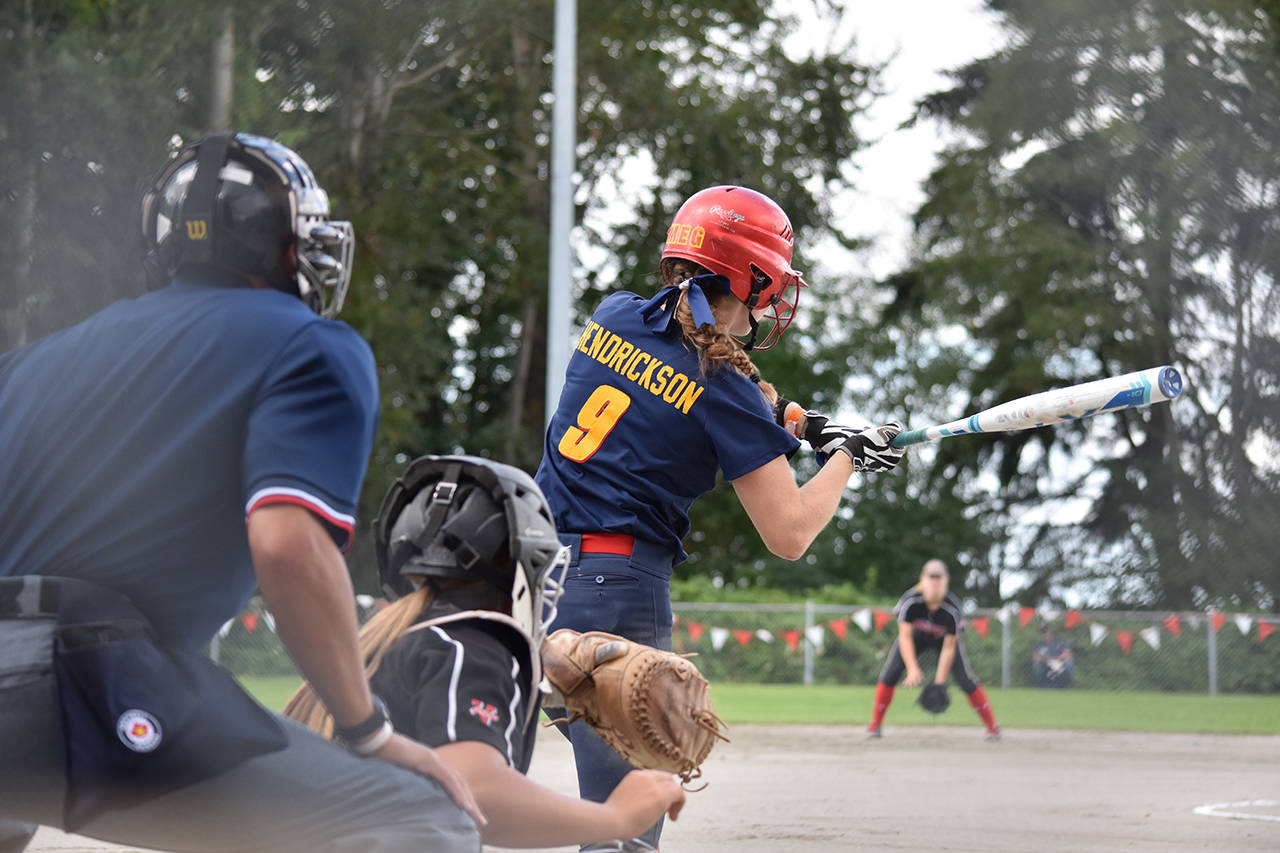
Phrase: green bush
(1181, 664)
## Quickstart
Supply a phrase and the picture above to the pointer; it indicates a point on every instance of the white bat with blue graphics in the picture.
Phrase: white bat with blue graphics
(1130, 391)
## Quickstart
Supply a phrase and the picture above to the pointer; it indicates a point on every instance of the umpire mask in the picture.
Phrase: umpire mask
(238, 201)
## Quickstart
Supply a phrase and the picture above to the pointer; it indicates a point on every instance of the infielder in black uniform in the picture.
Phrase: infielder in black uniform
(468, 552)
(929, 618)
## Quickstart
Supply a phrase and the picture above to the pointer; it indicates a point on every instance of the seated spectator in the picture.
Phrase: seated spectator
(1052, 660)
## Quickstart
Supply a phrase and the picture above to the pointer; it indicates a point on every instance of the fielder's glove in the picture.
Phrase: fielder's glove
(934, 698)
(868, 448)
(653, 707)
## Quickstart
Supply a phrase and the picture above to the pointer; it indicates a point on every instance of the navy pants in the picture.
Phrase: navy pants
(625, 595)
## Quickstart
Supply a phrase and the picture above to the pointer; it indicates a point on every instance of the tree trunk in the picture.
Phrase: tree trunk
(1163, 458)
(220, 90)
(1242, 391)
(524, 384)
(520, 381)
(24, 251)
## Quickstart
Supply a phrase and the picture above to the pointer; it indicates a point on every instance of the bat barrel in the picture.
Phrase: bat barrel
(1140, 388)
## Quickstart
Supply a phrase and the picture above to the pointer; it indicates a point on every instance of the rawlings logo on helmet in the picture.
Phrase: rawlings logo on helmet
(730, 215)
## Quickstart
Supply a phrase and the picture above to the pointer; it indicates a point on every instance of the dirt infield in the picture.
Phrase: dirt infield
(776, 789)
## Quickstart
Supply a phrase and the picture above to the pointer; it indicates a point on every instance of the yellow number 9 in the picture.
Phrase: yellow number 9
(596, 419)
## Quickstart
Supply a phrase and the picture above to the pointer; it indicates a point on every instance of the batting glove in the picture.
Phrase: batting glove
(870, 449)
(824, 436)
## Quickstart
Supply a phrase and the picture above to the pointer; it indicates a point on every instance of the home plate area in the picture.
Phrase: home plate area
(776, 789)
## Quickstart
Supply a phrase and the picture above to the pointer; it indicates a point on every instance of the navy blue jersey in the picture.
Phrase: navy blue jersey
(640, 432)
(929, 625)
(136, 443)
(461, 681)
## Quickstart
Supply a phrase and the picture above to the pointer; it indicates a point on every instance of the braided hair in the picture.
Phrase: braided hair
(716, 348)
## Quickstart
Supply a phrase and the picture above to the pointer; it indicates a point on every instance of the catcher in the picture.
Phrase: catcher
(929, 619)
(469, 556)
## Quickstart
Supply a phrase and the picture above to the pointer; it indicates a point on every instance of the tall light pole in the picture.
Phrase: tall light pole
(563, 131)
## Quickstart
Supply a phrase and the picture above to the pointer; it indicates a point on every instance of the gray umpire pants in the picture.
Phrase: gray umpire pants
(309, 796)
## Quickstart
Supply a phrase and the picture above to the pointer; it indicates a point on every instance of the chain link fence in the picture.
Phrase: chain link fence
(810, 643)
(1113, 650)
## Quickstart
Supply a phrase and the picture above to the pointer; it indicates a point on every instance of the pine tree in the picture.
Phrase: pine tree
(1111, 206)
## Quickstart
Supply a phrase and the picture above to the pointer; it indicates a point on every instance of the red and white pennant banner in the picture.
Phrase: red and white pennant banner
(874, 619)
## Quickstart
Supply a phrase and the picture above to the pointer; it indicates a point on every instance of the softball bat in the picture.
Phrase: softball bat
(1130, 391)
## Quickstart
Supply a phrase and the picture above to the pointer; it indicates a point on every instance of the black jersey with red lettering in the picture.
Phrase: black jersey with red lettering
(464, 680)
(930, 626)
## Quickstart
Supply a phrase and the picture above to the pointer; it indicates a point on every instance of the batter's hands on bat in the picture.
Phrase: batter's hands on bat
(422, 759)
(823, 436)
(642, 797)
(870, 449)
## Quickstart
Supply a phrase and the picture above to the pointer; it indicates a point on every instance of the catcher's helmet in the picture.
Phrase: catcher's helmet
(238, 201)
(469, 518)
(746, 237)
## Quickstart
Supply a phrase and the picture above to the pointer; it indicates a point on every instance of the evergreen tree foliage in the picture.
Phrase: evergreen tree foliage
(1111, 206)
(429, 124)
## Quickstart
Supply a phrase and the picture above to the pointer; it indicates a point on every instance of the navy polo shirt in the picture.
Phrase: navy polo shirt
(136, 443)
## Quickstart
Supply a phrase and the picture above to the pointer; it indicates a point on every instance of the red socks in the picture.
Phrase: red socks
(884, 695)
(978, 699)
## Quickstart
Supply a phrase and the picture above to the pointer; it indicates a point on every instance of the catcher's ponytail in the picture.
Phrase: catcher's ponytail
(375, 638)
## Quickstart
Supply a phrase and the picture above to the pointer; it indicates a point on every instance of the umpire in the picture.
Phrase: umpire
(160, 460)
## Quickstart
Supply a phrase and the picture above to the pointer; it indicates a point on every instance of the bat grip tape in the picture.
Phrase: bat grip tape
(905, 439)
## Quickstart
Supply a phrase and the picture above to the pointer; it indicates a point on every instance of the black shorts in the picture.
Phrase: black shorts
(961, 670)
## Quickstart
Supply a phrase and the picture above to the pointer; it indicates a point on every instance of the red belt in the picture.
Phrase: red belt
(608, 543)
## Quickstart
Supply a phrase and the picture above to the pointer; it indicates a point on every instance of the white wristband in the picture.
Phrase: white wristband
(374, 742)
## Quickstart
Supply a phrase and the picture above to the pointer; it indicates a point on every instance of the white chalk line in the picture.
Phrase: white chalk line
(1216, 810)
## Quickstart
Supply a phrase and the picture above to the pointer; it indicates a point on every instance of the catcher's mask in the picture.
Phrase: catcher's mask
(746, 237)
(238, 202)
(470, 518)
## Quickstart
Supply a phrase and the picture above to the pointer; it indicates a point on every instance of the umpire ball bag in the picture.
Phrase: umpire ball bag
(138, 720)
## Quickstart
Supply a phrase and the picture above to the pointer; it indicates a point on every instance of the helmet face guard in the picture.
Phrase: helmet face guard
(779, 304)
(239, 201)
(464, 517)
(746, 237)
(325, 250)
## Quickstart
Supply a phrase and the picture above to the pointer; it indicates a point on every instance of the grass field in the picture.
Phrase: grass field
(1014, 708)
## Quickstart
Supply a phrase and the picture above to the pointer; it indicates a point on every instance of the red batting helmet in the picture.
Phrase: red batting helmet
(746, 237)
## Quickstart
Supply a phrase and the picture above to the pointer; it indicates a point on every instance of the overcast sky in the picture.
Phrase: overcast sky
(919, 39)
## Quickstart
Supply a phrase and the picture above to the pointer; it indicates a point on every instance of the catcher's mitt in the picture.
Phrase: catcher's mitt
(934, 698)
(653, 707)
